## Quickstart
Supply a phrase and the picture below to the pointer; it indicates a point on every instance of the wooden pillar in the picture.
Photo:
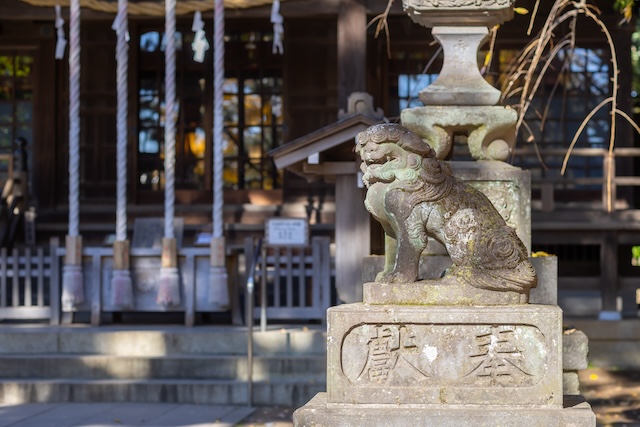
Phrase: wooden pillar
(609, 276)
(352, 238)
(352, 49)
(625, 134)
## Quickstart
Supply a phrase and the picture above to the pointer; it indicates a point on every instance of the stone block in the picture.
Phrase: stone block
(24, 341)
(445, 355)
(448, 291)
(575, 350)
(570, 383)
(209, 342)
(575, 412)
(122, 343)
(308, 342)
(546, 292)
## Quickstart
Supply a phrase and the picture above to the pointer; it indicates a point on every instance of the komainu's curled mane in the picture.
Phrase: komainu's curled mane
(415, 197)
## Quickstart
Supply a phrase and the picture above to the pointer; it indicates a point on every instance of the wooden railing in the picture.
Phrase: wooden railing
(294, 281)
(193, 264)
(609, 186)
(26, 276)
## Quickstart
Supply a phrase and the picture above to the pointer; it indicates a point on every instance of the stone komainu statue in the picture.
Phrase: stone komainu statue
(414, 196)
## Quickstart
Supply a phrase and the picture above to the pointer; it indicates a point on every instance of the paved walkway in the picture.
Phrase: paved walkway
(120, 415)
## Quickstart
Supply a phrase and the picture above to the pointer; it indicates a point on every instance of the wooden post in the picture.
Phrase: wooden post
(353, 238)
(352, 49)
(546, 193)
(54, 281)
(217, 252)
(169, 253)
(609, 184)
(121, 255)
(609, 275)
(73, 254)
(73, 294)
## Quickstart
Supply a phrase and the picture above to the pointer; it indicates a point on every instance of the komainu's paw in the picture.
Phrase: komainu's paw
(380, 277)
(395, 277)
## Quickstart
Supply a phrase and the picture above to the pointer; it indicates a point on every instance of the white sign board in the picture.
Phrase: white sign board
(287, 231)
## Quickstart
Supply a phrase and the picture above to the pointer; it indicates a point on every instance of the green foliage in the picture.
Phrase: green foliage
(620, 5)
(625, 7)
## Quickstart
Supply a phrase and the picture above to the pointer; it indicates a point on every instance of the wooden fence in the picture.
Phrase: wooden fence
(97, 267)
(294, 282)
(26, 278)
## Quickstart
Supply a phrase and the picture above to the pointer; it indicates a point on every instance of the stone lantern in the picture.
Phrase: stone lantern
(460, 26)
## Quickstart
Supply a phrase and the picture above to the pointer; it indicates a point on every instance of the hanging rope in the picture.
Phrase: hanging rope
(122, 59)
(169, 121)
(74, 119)
(218, 289)
(169, 285)
(152, 8)
(72, 279)
(121, 286)
(218, 124)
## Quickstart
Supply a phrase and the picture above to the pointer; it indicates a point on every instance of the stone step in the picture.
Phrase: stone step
(160, 340)
(130, 367)
(208, 392)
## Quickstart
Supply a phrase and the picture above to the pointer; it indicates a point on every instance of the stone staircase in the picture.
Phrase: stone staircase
(201, 365)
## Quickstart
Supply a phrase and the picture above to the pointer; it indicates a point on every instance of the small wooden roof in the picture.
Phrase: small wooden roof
(333, 143)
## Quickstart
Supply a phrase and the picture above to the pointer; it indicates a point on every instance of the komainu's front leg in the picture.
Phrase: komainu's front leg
(407, 259)
(390, 250)
(411, 241)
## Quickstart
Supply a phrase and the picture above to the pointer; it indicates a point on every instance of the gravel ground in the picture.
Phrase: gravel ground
(613, 394)
(276, 416)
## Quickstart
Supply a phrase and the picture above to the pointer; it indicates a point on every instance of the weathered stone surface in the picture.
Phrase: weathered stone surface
(460, 81)
(575, 350)
(445, 291)
(415, 197)
(430, 13)
(507, 187)
(485, 126)
(444, 355)
(570, 383)
(575, 412)
(433, 266)
(547, 290)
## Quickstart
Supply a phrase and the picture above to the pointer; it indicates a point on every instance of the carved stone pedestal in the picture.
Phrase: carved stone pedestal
(391, 365)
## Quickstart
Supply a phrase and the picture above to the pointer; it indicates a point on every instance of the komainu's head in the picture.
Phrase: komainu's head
(391, 152)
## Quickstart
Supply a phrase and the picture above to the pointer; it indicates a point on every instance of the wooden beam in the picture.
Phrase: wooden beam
(331, 168)
(15, 10)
